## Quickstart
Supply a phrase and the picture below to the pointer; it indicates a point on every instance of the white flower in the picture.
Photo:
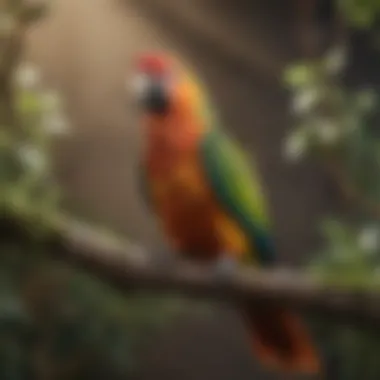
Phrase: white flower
(27, 76)
(304, 100)
(368, 239)
(32, 157)
(327, 132)
(55, 124)
(336, 60)
(51, 101)
(295, 146)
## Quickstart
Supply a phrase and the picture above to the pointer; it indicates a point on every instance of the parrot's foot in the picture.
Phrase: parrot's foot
(225, 267)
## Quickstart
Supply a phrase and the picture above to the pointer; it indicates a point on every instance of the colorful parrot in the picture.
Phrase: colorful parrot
(208, 200)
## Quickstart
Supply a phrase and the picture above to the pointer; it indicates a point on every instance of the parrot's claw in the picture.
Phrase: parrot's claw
(225, 267)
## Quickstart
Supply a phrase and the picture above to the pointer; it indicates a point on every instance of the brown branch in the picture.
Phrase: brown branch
(126, 267)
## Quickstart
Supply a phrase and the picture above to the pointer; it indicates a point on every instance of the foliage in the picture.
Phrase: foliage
(360, 13)
(55, 322)
(337, 126)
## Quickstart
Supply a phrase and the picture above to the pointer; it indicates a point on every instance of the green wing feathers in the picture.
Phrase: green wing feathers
(237, 188)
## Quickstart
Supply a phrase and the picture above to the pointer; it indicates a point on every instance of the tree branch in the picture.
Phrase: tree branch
(127, 267)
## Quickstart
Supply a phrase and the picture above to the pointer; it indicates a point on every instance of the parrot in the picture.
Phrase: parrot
(208, 199)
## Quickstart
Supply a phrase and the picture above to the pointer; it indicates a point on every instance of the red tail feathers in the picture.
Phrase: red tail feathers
(281, 341)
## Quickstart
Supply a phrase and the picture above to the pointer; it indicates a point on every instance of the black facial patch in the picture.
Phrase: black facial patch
(156, 100)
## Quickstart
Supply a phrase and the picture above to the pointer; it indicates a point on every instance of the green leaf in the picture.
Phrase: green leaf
(298, 75)
(366, 100)
(335, 60)
(27, 103)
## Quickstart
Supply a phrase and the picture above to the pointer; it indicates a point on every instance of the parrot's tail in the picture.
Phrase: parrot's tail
(281, 341)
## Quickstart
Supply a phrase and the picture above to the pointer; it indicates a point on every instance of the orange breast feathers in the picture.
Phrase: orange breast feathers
(190, 216)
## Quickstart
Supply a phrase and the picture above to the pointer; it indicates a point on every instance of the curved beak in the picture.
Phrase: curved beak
(151, 96)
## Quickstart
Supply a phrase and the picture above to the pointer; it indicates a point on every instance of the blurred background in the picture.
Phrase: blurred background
(295, 81)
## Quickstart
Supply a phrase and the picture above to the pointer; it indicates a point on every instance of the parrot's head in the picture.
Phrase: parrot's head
(163, 85)
(171, 100)
(155, 82)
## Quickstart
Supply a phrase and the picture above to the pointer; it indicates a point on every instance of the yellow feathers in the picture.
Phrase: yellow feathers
(233, 237)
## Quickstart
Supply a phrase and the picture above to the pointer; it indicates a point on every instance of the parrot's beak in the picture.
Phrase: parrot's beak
(151, 96)
(156, 100)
